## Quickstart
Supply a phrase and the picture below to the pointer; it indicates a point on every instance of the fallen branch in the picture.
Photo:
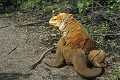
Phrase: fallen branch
(98, 3)
(13, 49)
(3, 27)
(105, 16)
(41, 57)
(105, 34)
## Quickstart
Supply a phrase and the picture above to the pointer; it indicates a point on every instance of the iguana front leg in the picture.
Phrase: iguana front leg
(59, 59)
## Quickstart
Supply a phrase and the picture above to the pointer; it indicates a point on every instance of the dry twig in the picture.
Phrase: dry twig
(41, 57)
(13, 49)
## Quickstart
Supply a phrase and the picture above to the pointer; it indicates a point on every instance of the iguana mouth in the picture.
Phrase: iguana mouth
(52, 23)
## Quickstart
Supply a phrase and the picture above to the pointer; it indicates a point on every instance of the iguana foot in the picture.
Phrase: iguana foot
(100, 65)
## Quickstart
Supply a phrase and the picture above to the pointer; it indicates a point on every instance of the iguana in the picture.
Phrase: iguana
(76, 47)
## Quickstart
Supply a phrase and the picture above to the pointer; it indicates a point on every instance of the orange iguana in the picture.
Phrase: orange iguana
(76, 47)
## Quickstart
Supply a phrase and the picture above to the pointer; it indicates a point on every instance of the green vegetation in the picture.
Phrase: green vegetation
(9, 5)
(99, 31)
(116, 72)
(29, 5)
(62, 7)
(83, 4)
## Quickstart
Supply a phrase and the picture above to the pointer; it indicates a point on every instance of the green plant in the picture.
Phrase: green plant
(116, 72)
(98, 32)
(82, 4)
(7, 14)
(29, 5)
(56, 0)
(109, 4)
(62, 7)
(9, 5)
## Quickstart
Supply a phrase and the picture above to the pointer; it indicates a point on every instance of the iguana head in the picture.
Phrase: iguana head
(57, 20)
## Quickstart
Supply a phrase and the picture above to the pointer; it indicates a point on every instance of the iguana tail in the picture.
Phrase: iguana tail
(88, 73)
(79, 62)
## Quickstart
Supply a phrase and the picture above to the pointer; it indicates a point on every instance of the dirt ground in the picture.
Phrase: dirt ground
(21, 47)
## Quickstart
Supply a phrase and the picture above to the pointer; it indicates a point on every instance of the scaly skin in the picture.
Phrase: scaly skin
(76, 47)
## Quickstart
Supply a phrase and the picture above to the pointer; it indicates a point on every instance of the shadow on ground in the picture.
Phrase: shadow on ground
(13, 76)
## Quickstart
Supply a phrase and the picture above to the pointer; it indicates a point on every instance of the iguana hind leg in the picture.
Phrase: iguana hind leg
(97, 57)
